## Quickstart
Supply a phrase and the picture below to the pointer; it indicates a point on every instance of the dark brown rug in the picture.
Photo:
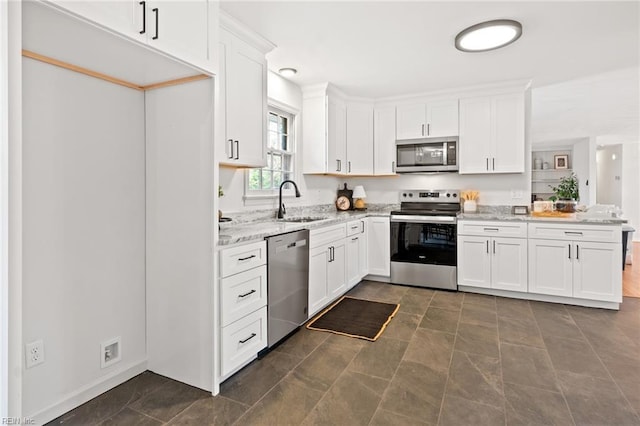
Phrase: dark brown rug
(353, 317)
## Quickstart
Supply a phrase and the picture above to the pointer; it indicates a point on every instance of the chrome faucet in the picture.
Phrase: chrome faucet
(281, 209)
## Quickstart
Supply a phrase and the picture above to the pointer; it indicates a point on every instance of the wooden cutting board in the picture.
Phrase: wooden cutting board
(552, 214)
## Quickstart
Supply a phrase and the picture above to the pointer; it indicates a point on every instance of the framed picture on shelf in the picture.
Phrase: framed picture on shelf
(561, 161)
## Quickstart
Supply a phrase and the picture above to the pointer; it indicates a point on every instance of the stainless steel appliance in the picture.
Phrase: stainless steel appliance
(423, 239)
(427, 155)
(287, 283)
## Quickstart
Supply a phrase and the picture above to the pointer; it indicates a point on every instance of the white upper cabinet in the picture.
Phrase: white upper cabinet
(360, 139)
(243, 95)
(492, 134)
(184, 30)
(384, 141)
(434, 119)
(337, 134)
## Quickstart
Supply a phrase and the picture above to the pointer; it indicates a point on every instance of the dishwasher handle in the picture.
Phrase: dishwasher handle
(291, 246)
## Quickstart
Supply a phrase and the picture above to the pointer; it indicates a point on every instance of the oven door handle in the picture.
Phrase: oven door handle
(422, 219)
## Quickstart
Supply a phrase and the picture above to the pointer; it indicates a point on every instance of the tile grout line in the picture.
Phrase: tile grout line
(555, 372)
(605, 367)
(398, 367)
(147, 415)
(504, 393)
(453, 350)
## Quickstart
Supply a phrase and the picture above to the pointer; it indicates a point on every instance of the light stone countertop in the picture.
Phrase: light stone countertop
(233, 233)
(575, 218)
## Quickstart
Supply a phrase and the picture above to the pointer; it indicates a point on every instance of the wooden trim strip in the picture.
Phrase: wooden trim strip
(175, 82)
(80, 70)
(114, 80)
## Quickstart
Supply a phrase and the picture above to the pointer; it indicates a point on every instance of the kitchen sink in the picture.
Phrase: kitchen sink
(304, 219)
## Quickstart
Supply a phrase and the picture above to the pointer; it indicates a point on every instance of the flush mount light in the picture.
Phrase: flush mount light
(288, 72)
(488, 35)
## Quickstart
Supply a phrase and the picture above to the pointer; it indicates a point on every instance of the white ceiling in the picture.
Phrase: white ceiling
(382, 48)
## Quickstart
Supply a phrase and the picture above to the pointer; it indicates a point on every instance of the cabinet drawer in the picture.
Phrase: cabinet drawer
(242, 258)
(355, 227)
(242, 294)
(318, 237)
(492, 229)
(242, 340)
(556, 231)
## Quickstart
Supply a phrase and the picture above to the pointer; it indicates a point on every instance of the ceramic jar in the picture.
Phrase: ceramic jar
(470, 206)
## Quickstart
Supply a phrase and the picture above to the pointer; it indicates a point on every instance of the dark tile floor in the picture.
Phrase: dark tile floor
(446, 359)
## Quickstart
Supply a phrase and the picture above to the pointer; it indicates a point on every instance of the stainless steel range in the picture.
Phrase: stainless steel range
(423, 239)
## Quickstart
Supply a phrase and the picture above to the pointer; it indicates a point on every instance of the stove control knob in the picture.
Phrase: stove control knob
(448, 195)
(404, 195)
(455, 195)
(411, 194)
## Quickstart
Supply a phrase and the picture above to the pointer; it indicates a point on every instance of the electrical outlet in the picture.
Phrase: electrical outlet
(34, 353)
(516, 194)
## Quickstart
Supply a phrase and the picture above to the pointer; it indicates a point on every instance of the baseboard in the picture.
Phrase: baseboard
(379, 278)
(88, 392)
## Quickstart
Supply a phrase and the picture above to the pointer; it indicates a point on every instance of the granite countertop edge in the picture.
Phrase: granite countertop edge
(254, 231)
(576, 218)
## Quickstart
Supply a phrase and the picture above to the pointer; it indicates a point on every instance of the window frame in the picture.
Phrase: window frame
(292, 119)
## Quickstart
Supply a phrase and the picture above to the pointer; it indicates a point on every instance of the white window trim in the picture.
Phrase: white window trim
(253, 197)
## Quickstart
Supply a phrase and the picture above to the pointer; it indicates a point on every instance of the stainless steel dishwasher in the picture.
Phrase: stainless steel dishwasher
(287, 283)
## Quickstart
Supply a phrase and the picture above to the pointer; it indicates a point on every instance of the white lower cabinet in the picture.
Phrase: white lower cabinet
(327, 266)
(243, 305)
(580, 269)
(379, 246)
(356, 242)
(493, 262)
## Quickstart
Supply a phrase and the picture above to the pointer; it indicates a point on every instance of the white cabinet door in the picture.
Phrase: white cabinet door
(384, 141)
(508, 133)
(182, 29)
(410, 122)
(474, 261)
(364, 249)
(359, 139)
(245, 73)
(336, 136)
(353, 260)
(124, 17)
(379, 246)
(337, 270)
(509, 264)
(442, 118)
(550, 267)
(318, 291)
(475, 144)
(597, 274)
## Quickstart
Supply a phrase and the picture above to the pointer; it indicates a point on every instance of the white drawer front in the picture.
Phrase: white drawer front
(242, 294)
(242, 340)
(596, 233)
(492, 229)
(355, 227)
(242, 258)
(319, 237)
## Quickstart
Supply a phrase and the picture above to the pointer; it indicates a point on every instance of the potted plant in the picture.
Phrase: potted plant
(566, 194)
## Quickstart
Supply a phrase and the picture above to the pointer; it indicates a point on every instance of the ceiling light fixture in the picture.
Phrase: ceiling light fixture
(288, 72)
(488, 35)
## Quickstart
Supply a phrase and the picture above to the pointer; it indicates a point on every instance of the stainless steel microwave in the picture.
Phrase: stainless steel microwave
(427, 155)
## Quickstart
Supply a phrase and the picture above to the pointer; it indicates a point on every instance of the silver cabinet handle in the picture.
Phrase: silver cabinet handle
(144, 16)
(494, 247)
(423, 130)
(248, 338)
(393, 166)
(487, 163)
(569, 251)
(247, 294)
(487, 246)
(230, 156)
(493, 162)
(337, 165)
(492, 229)
(349, 166)
(242, 259)
(577, 252)
(428, 129)
(354, 239)
(572, 233)
(155, 10)
(362, 222)
(355, 227)
(237, 157)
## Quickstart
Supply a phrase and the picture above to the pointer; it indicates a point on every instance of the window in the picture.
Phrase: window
(280, 156)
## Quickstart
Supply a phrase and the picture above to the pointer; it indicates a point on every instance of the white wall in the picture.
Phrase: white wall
(83, 230)
(631, 185)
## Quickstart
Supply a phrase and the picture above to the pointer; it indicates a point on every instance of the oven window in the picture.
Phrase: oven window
(428, 243)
